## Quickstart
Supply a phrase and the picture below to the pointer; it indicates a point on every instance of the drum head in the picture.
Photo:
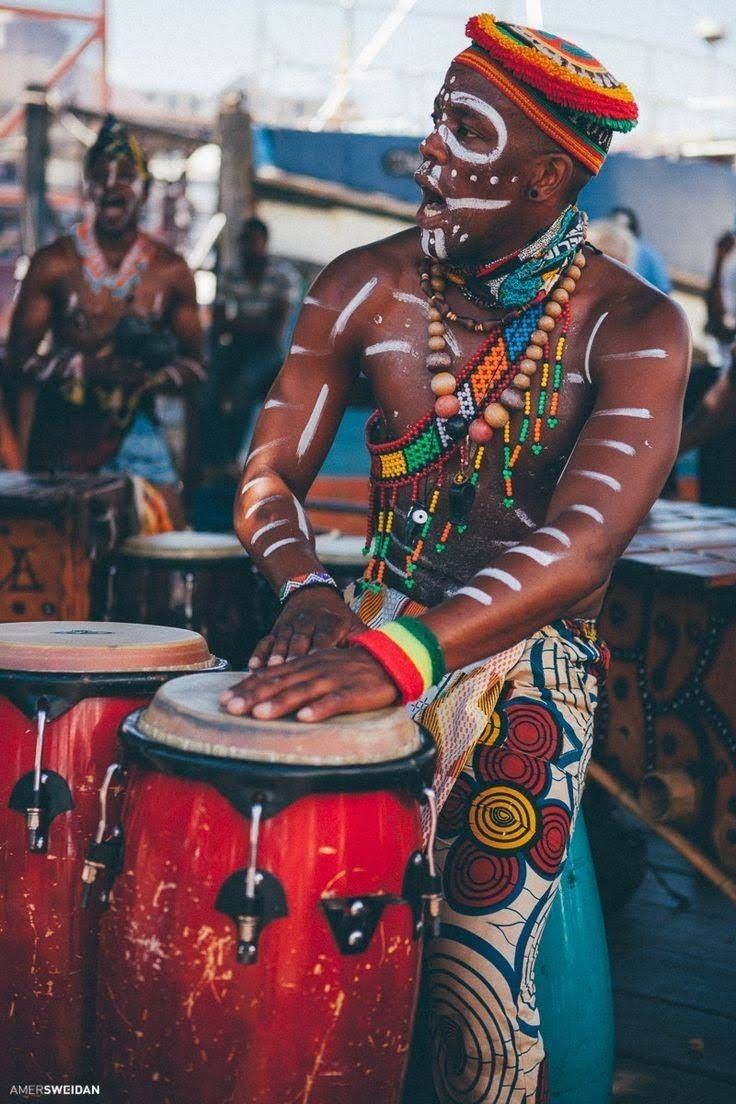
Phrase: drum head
(86, 647)
(184, 546)
(186, 714)
(340, 549)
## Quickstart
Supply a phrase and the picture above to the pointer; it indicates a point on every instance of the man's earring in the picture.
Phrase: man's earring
(533, 193)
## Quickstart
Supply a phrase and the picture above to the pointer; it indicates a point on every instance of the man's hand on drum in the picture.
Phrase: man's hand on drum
(318, 686)
(313, 618)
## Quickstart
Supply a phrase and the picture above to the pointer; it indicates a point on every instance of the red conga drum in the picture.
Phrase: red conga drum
(263, 940)
(65, 686)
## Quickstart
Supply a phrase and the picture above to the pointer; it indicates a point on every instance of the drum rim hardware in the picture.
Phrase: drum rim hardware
(353, 920)
(40, 795)
(103, 854)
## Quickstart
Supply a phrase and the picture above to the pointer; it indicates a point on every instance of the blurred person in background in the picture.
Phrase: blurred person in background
(614, 240)
(253, 304)
(105, 317)
(648, 262)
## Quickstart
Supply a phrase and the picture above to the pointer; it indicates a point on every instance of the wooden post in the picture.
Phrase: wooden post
(34, 214)
(236, 174)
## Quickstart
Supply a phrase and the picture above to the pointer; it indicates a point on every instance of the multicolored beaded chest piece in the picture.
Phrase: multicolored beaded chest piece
(491, 394)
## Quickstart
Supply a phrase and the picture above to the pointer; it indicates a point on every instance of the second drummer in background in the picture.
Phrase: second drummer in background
(529, 394)
(106, 317)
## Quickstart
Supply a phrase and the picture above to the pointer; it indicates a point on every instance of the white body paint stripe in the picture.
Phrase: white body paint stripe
(262, 448)
(302, 518)
(556, 534)
(280, 544)
(544, 559)
(360, 296)
(605, 442)
(623, 412)
(591, 511)
(257, 505)
(388, 347)
(501, 576)
(599, 477)
(589, 346)
(407, 297)
(274, 404)
(477, 204)
(523, 516)
(474, 593)
(266, 529)
(311, 427)
(638, 354)
(252, 482)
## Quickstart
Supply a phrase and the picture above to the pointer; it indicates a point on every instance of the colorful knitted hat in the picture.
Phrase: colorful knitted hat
(568, 94)
(115, 140)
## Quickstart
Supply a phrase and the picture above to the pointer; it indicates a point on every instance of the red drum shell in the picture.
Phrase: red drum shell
(181, 1022)
(47, 941)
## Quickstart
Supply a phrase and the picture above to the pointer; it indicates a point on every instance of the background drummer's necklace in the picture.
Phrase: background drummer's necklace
(469, 408)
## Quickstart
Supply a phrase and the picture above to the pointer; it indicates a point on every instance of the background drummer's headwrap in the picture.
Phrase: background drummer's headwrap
(115, 140)
(570, 95)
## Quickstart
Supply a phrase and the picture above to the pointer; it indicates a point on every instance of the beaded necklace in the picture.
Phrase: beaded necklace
(120, 282)
(494, 384)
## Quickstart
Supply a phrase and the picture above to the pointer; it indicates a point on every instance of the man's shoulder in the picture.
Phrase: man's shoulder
(385, 262)
(53, 262)
(630, 299)
(166, 259)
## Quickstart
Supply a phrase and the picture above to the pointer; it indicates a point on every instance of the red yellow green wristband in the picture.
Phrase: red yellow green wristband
(409, 652)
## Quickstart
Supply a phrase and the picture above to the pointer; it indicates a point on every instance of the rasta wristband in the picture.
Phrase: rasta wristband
(409, 653)
(301, 582)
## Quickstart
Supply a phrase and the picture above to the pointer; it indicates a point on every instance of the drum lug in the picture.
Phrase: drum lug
(423, 891)
(103, 854)
(353, 920)
(251, 914)
(53, 797)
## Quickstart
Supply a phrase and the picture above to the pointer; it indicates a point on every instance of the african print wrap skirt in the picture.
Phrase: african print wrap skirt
(502, 841)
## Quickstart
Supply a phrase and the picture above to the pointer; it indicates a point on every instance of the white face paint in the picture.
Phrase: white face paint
(266, 529)
(638, 354)
(345, 314)
(463, 237)
(502, 577)
(453, 173)
(279, 544)
(389, 347)
(465, 99)
(471, 203)
(598, 477)
(544, 559)
(556, 534)
(112, 175)
(425, 239)
(311, 427)
(474, 593)
(440, 248)
(589, 346)
(624, 412)
(590, 511)
(473, 177)
(605, 442)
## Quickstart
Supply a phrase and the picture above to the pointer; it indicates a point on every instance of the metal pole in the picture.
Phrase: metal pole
(34, 210)
(104, 86)
(534, 14)
(236, 173)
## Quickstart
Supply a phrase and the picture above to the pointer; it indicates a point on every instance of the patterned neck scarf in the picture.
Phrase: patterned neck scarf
(523, 277)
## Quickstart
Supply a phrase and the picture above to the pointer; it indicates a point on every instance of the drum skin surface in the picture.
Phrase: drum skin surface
(47, 941)
(182, 1022)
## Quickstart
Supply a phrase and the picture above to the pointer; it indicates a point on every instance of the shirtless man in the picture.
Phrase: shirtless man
(122, 314)
(494, 525)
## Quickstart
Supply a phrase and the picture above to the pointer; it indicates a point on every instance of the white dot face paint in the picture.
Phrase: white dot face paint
(453, 173)
(589, 346)
(346, 313)
(590, 511)
(624, 412)
(475, 593)
(279, 544)
(473, 177)
(463, 237)
(494, 179)
(378, 319)
(473, 103)
(311, 427)
(638, 354)
(501, 577)
(556, 534)
(605, 442)
(598, 477)
(389, 347)
(544, 559)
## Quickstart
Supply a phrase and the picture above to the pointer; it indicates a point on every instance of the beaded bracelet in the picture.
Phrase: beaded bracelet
(409, 652)
(300, 582)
